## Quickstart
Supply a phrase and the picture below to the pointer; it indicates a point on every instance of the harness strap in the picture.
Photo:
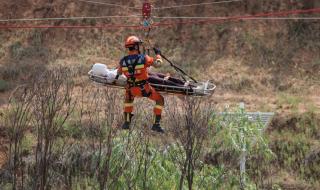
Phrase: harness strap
(132, 68)
(135, 84)
(144, 92)
(141, 85)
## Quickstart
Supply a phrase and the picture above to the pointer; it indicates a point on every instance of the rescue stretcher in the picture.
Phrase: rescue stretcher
(192, 89)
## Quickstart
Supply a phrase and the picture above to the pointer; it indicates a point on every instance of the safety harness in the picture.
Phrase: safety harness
(132, 80)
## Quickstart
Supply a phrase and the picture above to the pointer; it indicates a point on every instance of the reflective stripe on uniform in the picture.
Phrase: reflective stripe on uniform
(158, 107)
(139, 67)
(136, 80)
(128, 105)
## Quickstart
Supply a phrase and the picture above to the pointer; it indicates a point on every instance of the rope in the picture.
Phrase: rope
(108, 4)
(197, 4)
(67, 18)
(255, 18)
(170, 24)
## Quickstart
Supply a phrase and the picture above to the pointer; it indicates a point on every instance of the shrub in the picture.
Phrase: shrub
(4, 85)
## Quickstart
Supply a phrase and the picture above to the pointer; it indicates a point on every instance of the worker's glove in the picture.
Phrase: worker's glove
(158, 63)
(115, 79)
(157, 51)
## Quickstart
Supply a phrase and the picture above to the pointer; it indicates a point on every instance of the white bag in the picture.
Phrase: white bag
(100, 69)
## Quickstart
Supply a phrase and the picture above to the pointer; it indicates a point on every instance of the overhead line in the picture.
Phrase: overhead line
(70, 26)
(196, 4)
(160, 8)
(245, 17)
(108, 4)
(254, 18)
(283, 18)
(170, 24)
(67, 18)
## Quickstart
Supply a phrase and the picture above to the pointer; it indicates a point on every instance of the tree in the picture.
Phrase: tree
(189, 123)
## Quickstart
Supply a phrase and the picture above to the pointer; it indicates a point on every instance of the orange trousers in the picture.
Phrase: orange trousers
(147, 91)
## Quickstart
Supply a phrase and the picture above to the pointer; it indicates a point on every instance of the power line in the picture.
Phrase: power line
(68, 18)
(197, 4)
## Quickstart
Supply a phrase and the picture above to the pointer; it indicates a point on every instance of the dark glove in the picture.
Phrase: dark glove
(115, 79)
(157, 51)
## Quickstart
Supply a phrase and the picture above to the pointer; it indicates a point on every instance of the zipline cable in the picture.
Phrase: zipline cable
(68, 18)
(137, 16)
(255, 18)
(160, 8)
(196, 4)
(108, 4)
(239, 18)
(170, 24)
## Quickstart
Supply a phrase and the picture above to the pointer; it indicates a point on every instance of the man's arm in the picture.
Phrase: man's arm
(157, 62)
(119, 72)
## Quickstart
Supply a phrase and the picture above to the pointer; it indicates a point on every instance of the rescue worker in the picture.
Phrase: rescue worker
(134, 66)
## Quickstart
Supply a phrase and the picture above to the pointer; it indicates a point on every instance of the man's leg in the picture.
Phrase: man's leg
(128, 109)
(157, 109)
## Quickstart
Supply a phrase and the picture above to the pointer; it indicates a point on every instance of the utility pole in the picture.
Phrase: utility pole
(243, 155)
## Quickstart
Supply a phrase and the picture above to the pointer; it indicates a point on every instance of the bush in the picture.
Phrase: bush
(4, 85)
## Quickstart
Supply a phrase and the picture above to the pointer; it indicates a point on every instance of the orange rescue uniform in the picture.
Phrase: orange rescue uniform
(135, 68)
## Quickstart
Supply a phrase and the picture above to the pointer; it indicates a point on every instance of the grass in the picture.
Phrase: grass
(295, 143)
(291, 101)
(316, 62)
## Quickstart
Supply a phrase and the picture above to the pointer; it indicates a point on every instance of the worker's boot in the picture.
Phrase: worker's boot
(156, 126)
(127, 117)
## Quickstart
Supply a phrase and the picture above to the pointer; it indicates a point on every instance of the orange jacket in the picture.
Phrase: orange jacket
(135, 66)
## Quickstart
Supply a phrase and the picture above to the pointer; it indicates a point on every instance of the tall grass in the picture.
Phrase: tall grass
(62, 137)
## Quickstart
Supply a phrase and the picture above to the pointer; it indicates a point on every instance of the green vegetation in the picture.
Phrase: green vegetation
(59, 138)
(294, 140)
(56, 143)
(291, 101)
(4, 85)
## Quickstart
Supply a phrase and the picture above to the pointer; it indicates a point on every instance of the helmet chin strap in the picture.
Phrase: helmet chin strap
(137, 48)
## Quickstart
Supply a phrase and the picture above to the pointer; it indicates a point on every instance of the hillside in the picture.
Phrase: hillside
(271, 65)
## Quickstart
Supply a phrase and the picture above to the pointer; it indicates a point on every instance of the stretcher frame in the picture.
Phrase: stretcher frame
(191, 90)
